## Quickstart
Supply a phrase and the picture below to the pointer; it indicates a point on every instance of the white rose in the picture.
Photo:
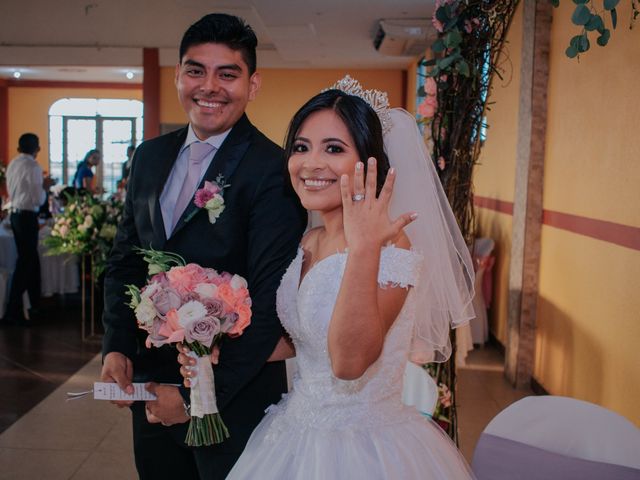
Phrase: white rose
(145, 313)
(215, 206)
(88, 220)
(190, 312)
(206, 290)
(238, 282)
(150, 290)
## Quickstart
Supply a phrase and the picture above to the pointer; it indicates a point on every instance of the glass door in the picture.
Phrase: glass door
(79, 135)
(117, 135)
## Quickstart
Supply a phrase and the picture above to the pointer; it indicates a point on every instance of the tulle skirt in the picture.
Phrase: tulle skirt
(414, 448)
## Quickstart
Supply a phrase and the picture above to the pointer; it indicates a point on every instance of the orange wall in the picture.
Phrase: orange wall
(29, 111)
(283, 91)
(588, 307)
(588, 314)
(494, 176)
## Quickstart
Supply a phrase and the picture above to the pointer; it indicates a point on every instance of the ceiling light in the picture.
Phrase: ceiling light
(17, 74)
(129, 75)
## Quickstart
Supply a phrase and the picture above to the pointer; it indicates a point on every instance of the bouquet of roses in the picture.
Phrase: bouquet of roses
(198, 306)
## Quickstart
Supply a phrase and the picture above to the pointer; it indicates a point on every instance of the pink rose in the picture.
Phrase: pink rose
(431, 87)
(203, 330)
(226, 294)
(206, 193)
(160, 278)
(184, 279)
(426, 109)
(243, 321)
(171, 329)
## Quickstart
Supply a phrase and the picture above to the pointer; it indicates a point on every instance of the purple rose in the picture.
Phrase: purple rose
(215, 308)
(202, 330)
(228, 322)
(166, 299)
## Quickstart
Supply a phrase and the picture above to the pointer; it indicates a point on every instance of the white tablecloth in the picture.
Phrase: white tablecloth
(59, 273)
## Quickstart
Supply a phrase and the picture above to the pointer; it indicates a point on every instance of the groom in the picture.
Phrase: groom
(256, 236)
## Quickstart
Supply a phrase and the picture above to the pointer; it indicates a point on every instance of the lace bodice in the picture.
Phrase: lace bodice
(319, 399)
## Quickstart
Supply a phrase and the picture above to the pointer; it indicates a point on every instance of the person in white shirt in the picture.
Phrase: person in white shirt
(26, 187)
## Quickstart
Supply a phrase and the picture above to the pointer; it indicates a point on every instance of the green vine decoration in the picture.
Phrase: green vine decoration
(592, 19)
(471, 37)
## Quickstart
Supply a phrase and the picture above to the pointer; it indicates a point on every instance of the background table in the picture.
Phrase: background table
(59, 273)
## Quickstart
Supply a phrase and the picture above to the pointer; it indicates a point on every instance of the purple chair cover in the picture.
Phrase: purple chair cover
(497, 458)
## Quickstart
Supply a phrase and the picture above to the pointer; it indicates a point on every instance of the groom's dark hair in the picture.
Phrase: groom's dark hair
(359, 118)
(225, 29)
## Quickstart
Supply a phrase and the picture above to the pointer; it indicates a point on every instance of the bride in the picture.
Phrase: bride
(364, 293)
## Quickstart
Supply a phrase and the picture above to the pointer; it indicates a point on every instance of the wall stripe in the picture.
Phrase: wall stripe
(68, 84)
(493, 204)
(610, 232)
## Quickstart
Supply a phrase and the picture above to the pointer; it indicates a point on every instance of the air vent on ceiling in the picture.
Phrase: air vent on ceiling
(406, 36)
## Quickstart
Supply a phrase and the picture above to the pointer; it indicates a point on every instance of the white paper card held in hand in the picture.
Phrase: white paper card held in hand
(111, 391)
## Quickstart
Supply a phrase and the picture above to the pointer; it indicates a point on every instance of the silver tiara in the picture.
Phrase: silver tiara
(376, 99)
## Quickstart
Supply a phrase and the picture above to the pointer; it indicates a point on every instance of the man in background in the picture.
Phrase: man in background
(27, 192)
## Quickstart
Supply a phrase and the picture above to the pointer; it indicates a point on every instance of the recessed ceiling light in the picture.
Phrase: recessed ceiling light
(129, 75)
(17, 74)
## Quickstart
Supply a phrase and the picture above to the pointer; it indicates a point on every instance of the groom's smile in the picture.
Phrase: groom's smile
(214, 87)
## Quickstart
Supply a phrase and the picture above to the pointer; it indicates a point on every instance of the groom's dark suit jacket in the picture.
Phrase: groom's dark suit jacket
(256, 236)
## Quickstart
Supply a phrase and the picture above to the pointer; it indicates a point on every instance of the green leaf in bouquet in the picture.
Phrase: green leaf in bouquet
(134, 293)
(159, 261)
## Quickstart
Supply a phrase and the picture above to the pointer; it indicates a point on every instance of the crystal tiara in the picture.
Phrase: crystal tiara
(376, 99)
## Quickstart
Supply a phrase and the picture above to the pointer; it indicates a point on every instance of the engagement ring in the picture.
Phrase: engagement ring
(357, 197)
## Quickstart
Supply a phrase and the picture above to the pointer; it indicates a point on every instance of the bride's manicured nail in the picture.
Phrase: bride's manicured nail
(413, 216)
(392, 171)
(359, 166)
(372, 161)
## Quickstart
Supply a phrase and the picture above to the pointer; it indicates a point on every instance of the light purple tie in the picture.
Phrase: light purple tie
(198, 151)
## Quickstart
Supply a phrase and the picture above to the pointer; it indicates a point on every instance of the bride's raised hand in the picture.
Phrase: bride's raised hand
(365, 217)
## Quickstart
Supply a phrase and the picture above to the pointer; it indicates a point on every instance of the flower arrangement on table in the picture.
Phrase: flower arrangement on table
(198, 306)
(86, 226)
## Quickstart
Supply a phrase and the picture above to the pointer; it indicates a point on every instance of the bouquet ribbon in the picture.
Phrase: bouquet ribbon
(203, 397)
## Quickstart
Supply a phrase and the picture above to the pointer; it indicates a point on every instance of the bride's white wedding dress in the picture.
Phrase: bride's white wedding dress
(328, 428)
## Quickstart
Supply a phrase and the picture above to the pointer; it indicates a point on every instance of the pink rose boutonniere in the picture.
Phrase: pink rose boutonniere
(210, 197)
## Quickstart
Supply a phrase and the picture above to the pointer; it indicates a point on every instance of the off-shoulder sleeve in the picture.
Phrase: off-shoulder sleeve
(399, 267)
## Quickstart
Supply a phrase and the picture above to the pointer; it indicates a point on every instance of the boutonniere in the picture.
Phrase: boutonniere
(210, 197)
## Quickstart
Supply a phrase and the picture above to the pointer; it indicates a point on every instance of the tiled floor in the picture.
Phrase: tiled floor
(482, 393)
(47, 437)
(36, 360)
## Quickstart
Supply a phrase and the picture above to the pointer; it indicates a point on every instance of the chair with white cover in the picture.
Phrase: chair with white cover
(419, 389)
(553, 437)
(483, 261)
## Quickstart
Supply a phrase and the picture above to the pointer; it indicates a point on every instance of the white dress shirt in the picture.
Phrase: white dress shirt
(24, 183)
(174, 182)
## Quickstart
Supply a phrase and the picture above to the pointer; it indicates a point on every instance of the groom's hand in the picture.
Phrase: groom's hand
(168, 409)
(117, 368)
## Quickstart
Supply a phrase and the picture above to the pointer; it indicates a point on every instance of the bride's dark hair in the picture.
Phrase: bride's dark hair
(360, 119)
